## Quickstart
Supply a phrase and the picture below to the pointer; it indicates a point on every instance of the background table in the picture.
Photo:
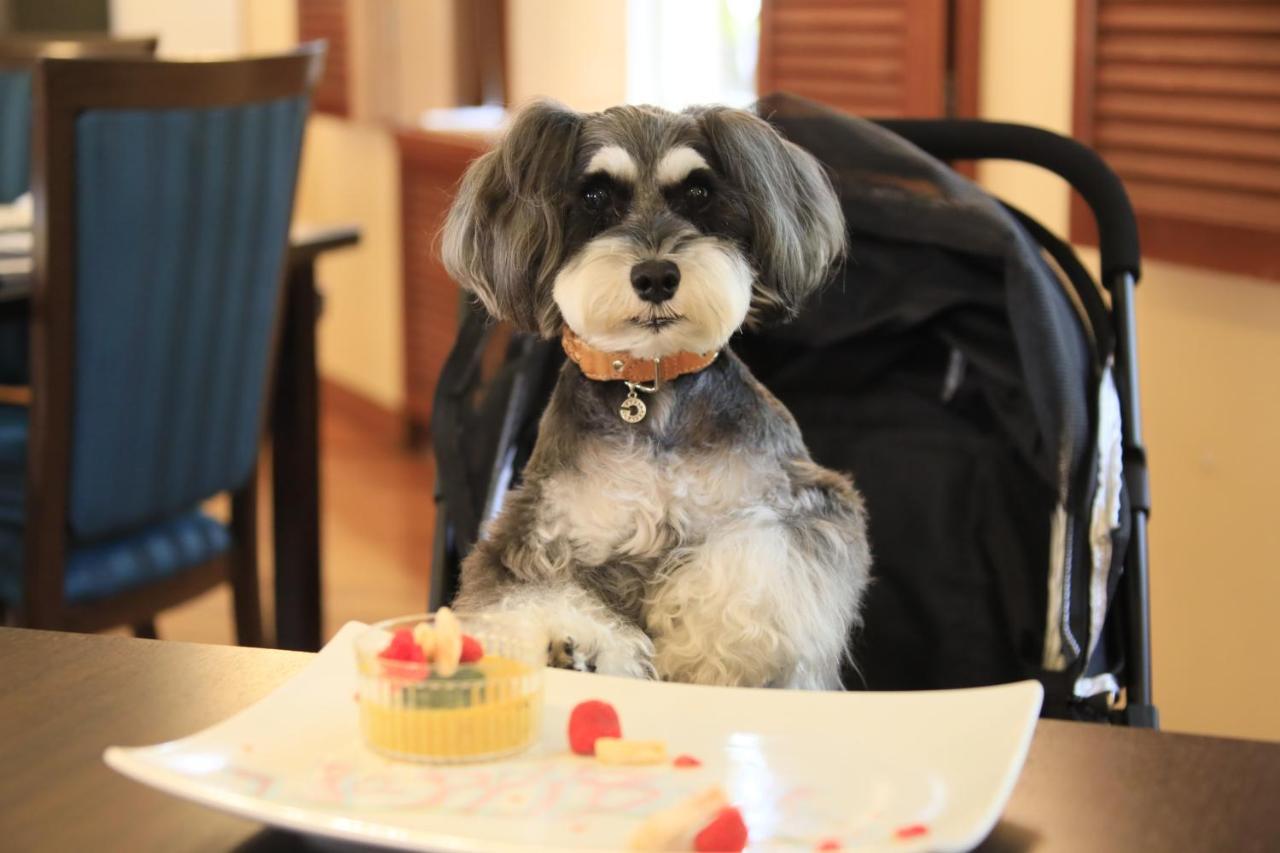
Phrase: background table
(295, 413)
(68, 696)
(295, 444)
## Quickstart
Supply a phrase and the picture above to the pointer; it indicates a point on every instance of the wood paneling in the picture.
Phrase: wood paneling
(1183, 100)
(431, 164)
(327, 19)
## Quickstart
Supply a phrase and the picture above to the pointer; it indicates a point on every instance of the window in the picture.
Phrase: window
(681, 53)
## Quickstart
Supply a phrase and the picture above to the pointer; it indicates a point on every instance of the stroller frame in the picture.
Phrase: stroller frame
(947, 140)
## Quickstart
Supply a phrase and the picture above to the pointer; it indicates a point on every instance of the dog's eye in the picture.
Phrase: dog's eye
(697, 194)
(596, 198)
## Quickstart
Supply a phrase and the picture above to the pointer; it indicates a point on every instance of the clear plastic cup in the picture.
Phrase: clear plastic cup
(486, 710)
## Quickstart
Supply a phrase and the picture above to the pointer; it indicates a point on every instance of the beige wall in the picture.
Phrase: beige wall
(572, 50)
(1208, 347)
(351, 173)
(1025, 77)
(185, 29)
(423, 44)
(269, 26)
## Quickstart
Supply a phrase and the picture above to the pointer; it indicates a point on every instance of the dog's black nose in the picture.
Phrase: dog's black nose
(655, 281)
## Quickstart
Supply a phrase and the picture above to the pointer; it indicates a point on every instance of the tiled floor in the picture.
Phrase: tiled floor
(377, 517)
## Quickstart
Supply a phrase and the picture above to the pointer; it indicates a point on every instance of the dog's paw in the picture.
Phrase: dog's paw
(564, 653)
(622, 651)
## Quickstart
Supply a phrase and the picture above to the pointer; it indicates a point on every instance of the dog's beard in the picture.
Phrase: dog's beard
(595, 298)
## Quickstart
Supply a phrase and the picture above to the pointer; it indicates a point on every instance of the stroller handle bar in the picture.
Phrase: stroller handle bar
(1079, 165)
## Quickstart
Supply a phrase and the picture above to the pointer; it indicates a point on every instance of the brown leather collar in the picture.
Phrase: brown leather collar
(604, 366)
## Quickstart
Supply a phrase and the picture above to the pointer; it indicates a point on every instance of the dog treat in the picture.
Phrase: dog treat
(684, 761)
(590, 721)
(726, 833)
(674, 828)
(614, 750)
(448, 642)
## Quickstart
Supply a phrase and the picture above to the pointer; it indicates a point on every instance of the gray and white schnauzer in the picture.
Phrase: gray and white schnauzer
(685, 534)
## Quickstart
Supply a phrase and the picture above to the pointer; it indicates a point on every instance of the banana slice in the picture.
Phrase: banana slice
(674, 828)
(616, 750)
(448, 643)
(425, 636)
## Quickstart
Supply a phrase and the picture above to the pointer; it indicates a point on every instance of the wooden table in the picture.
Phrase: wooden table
(295, 457)
(68, 696)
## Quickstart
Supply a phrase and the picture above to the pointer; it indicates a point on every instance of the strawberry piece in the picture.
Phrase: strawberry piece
(591, 720)
(913, 830)
(686, 761)
(727, 833)
(472, 651)
(403, 648)
(829, 844)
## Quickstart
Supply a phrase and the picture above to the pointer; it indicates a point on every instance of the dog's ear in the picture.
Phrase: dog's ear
(504, 235)
(796, 225)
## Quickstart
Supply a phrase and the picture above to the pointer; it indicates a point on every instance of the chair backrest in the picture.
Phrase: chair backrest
(163, 193)
(18, 55)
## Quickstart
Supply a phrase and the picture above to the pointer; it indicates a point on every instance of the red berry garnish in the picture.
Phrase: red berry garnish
(403, 648)
(727, 833)
(911, 830)
(686, 761)
(472, 651)
(829, 844)
(591, 720)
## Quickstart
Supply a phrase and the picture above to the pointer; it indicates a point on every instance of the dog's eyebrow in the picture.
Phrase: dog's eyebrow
(677, 163)
(614, 161)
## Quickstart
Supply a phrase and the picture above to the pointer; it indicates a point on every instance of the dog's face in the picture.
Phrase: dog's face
(644, 231)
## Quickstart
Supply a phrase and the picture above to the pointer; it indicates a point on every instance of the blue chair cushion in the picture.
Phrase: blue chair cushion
(102, 568)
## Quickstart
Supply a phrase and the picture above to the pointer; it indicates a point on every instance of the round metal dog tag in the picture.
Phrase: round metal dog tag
(633, 409)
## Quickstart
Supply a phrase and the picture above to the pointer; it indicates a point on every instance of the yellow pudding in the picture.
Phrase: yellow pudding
(485, 709)
(490, 720)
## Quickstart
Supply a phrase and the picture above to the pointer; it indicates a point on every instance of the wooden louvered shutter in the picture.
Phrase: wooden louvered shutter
(1182, 98)
(431, 164)
(886, 58)
(327, 19)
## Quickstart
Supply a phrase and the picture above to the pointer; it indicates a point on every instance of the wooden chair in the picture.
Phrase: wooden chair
(18, 55)
(163, 193)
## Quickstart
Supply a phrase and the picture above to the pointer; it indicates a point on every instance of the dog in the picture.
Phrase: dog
(670, 523)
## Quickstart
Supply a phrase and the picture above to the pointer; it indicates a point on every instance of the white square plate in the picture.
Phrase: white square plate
(872, 771)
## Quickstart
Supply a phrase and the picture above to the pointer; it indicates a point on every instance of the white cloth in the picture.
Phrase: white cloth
(1105, 516)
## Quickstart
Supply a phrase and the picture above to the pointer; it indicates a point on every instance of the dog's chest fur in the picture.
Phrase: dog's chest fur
(641, 495)
(639, 508)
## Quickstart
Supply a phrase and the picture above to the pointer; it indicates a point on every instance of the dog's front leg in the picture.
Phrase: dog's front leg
(580, 631)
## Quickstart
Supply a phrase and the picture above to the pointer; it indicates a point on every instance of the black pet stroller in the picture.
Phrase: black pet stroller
(972, 376)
